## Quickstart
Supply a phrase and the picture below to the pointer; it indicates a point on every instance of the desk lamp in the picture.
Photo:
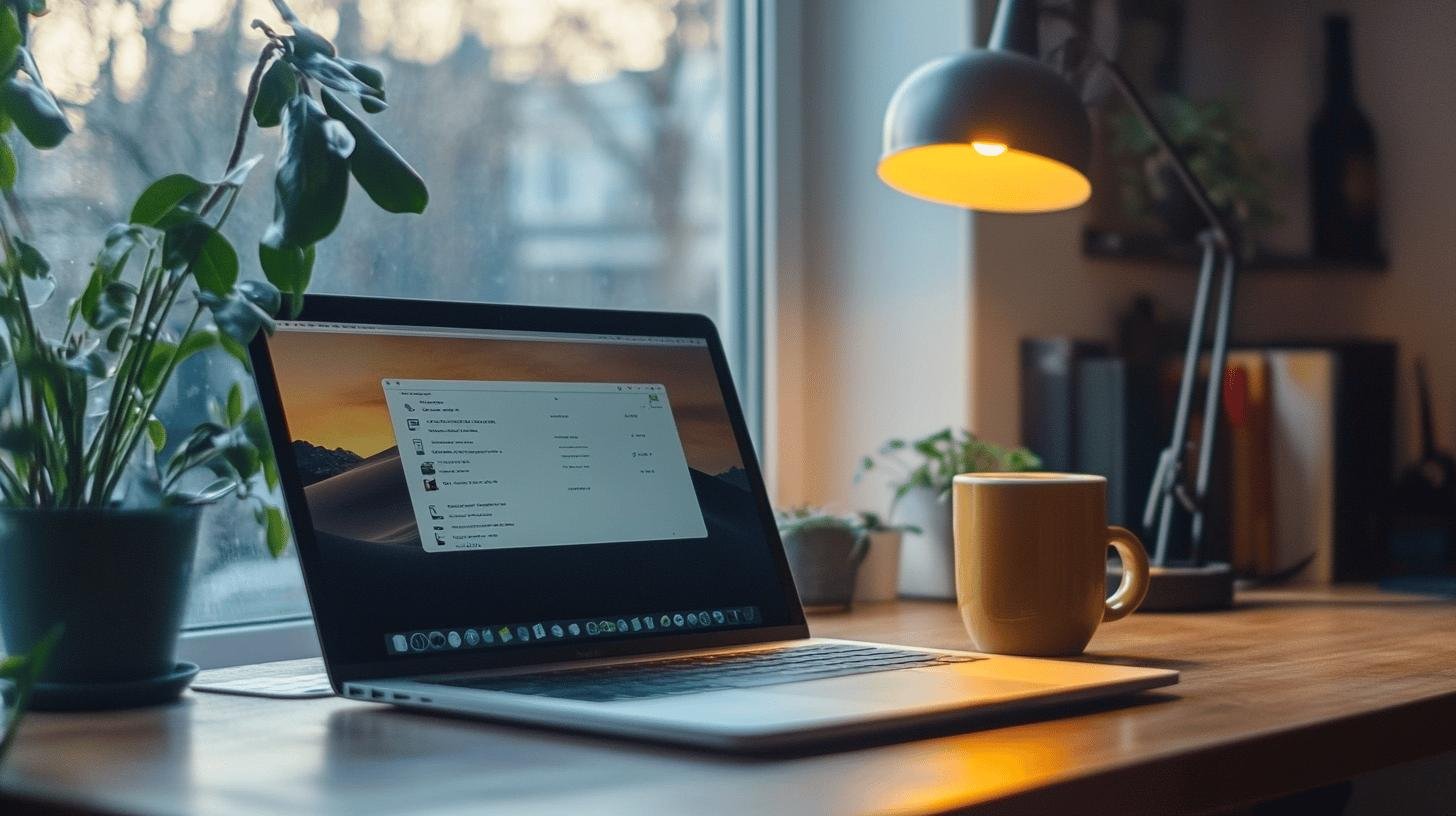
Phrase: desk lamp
(995, 130)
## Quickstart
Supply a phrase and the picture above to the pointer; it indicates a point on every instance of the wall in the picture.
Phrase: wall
(1030, 278)
(871, 301)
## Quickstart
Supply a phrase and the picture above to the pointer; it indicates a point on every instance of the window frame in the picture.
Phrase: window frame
(740, 314)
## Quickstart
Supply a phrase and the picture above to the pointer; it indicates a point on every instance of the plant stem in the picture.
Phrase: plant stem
(140, 424)
(126, 374)
(241, 139)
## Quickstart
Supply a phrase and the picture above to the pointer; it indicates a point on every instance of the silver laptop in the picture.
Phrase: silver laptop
(556, 517)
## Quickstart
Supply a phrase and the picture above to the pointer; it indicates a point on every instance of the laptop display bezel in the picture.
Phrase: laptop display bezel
(384, 313)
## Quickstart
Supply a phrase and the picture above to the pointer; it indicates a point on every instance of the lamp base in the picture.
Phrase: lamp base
(1184, 589)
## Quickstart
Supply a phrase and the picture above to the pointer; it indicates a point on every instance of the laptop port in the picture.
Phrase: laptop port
(355, 691)
(426, 700)
(397, 696)
(376, 694)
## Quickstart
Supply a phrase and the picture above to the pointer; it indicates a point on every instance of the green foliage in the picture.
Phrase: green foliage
(807, 517)
(168, 285)
(380, 170)
(933, 461)
(313, 176)
(279, 85)
(18, 676)
(1219, 150)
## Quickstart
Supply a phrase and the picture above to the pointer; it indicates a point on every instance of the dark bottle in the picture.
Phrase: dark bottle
(1344, 187)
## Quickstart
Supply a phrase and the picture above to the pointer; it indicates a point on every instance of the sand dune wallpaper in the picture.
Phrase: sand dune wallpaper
(333, 399)
(345, 450)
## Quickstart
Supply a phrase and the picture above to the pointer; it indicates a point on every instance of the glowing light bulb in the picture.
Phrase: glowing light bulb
(989, 148)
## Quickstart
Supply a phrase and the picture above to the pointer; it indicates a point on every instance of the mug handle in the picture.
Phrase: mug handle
(1134, 586)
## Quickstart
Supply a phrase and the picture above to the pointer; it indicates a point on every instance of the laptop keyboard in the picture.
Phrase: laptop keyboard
(714, 672)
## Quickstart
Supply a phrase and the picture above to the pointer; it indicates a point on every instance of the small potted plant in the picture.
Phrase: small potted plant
(1220, 151)
(879, 573)
(922, 472)
(99, 504)
(824, 552)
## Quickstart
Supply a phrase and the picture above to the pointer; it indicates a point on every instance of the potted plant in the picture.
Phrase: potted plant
(1219, 150)
(824, 552)
(98, 503)
(879, 573)
(921, 474)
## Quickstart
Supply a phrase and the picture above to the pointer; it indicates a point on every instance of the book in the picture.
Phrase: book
(1247, 412)
(1117, 432)
(1049, 400)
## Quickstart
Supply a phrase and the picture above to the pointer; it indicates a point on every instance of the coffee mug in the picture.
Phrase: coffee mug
(1031, 561)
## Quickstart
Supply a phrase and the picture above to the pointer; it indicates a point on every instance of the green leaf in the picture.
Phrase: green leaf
(255, 427)
(305, 41)
(277, 532)
(114, 339)
(10, 38)
(312, 182)
(156, 366)
(34, 111)
(91, 364)
(239, 351)
(279, 84)
(290, 270)
(235, 404)
(157, 432)
(244, 459)
(182, 242)
(263, 294)
(215, 491)
(216, 266)
(118, 300)
(32, 263)
(367, 74)
(330, 73)
(239, 319)
(164, 196)
(198, 341)
(8, 168)
(380, 170)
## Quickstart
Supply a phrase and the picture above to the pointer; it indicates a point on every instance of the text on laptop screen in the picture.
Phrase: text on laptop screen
(460, 481)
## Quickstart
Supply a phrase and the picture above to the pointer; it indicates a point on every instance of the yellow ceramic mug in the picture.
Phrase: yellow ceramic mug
(1031, 561)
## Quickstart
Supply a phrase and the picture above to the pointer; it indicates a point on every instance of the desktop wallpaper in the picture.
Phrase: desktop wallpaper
(365, 530)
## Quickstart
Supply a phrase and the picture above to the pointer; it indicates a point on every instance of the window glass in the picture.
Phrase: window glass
(575, 153)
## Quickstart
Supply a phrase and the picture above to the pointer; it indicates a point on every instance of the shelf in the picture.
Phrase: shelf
(1105, 245)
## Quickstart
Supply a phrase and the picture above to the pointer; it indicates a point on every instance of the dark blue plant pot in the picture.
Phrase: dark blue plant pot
(117, 580)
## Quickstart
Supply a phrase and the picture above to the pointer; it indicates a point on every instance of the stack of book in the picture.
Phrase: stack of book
(1303, 465)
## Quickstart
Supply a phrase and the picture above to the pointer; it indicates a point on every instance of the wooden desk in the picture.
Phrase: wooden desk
(1291, 690)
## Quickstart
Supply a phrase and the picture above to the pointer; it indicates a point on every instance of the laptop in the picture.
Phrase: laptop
(555, 517)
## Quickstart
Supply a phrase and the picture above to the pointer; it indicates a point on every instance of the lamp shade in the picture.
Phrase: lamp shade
(990, 130)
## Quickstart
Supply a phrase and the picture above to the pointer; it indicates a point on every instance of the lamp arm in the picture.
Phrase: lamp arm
(1221, 231)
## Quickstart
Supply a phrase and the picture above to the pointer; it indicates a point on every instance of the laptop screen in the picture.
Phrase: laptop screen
(485, 492)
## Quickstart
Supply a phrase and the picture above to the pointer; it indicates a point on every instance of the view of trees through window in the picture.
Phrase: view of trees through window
(575, 152)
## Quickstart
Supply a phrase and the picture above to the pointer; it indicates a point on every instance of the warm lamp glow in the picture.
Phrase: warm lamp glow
(1002, 180)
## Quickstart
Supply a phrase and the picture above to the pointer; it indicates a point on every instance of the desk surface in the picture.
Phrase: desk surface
(1290, 690)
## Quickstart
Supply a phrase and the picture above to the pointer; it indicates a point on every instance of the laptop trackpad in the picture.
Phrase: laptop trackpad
(948, 684)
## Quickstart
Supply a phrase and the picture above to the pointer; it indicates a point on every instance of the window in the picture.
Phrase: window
(577, 153)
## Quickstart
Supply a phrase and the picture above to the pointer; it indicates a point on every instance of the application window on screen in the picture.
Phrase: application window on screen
(503, 464)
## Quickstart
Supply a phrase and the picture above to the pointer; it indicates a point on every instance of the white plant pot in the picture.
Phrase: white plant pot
(927, 558)
(879, 573)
